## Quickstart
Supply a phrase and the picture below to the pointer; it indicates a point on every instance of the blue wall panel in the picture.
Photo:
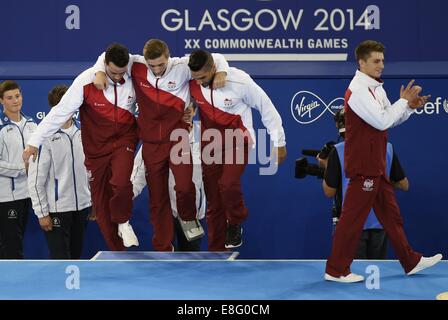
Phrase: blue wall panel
(290, 218)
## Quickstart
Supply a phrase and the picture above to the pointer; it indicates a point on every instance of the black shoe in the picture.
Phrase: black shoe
(233, 237)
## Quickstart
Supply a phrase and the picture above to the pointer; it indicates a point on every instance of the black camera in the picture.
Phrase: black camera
(304, 168)
(339, 119)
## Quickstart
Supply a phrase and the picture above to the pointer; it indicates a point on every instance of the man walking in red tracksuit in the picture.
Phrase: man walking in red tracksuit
(161, 85)
(109, 138)
(369, 114)
(228, 111)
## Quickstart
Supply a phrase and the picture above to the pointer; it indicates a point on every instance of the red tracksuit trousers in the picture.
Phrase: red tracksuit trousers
(112, 193)
(158, 163)
(363, 194)
(225, 202)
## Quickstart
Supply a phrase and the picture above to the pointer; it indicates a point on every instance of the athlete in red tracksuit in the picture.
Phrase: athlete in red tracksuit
(162, 90)
(368, 114)
(228, 110)
(109, 137)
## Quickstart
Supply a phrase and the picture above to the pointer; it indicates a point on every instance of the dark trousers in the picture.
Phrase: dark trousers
(13, 219)
(181, 243)
(66, 239)
(111, 187)
(157, 160)
(363, 194)
(224, 196)
(372, 245)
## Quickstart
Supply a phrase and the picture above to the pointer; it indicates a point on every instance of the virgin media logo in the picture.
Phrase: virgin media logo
(307, 107)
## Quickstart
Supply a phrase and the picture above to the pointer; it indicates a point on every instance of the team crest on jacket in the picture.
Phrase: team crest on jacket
(367, 185)
(228, 103)
(171, 85)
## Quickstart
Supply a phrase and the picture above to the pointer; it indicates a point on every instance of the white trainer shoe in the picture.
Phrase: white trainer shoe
(126, 233)
(352, 277)
(425, 263)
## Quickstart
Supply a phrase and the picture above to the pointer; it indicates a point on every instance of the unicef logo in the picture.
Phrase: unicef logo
(307, 107)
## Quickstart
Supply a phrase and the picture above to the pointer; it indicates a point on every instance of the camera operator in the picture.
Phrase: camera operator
(373, 241)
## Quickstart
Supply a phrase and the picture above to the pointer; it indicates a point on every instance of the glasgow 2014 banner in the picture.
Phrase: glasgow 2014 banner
(276, 30)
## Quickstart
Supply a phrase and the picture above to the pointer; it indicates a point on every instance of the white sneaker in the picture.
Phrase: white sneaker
(352, 277)
(425, 263)
(126, 233)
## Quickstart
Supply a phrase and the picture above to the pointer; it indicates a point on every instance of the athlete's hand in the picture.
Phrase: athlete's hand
(219, 80)
(100, 81)
(411, 94)
(46, 223)
(279, 154)
(28, 152)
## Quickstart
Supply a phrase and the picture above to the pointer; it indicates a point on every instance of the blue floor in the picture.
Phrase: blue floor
(211, 279)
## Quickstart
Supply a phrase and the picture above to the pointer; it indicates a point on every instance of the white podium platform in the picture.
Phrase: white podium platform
(155, 255)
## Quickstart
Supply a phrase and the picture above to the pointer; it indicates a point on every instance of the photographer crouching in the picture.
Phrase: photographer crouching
(373, 242)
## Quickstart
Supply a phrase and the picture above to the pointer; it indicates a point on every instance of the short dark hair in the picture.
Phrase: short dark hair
(55, 94)
(118, 54)
(8, 85)
(155, 48)
(365, 48)
(200, 59)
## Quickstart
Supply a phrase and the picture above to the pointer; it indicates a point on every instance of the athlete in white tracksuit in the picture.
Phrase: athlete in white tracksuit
(15, 130)
(59, 188)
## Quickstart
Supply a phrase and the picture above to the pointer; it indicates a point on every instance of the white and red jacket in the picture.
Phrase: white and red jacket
(368, 115)
(230, 107)
(13, 138)
(161, 99)
(57, 180)
(107, 116)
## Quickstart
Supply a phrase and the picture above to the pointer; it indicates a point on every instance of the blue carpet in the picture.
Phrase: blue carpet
(211, 279)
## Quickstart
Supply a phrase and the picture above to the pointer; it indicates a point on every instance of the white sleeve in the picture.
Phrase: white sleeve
(59, 114)
(256, 98)
(38, 174)
(220, 62)
(172, 193)
(198, 181)
(405, 116)
(138, 176)
(370, 110)
(100, 64)
(9, 169)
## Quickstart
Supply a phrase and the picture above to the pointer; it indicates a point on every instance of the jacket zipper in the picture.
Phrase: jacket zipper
(13, 185)
(158, 109)
(115, 113)
(73, 169)
(213, 104)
